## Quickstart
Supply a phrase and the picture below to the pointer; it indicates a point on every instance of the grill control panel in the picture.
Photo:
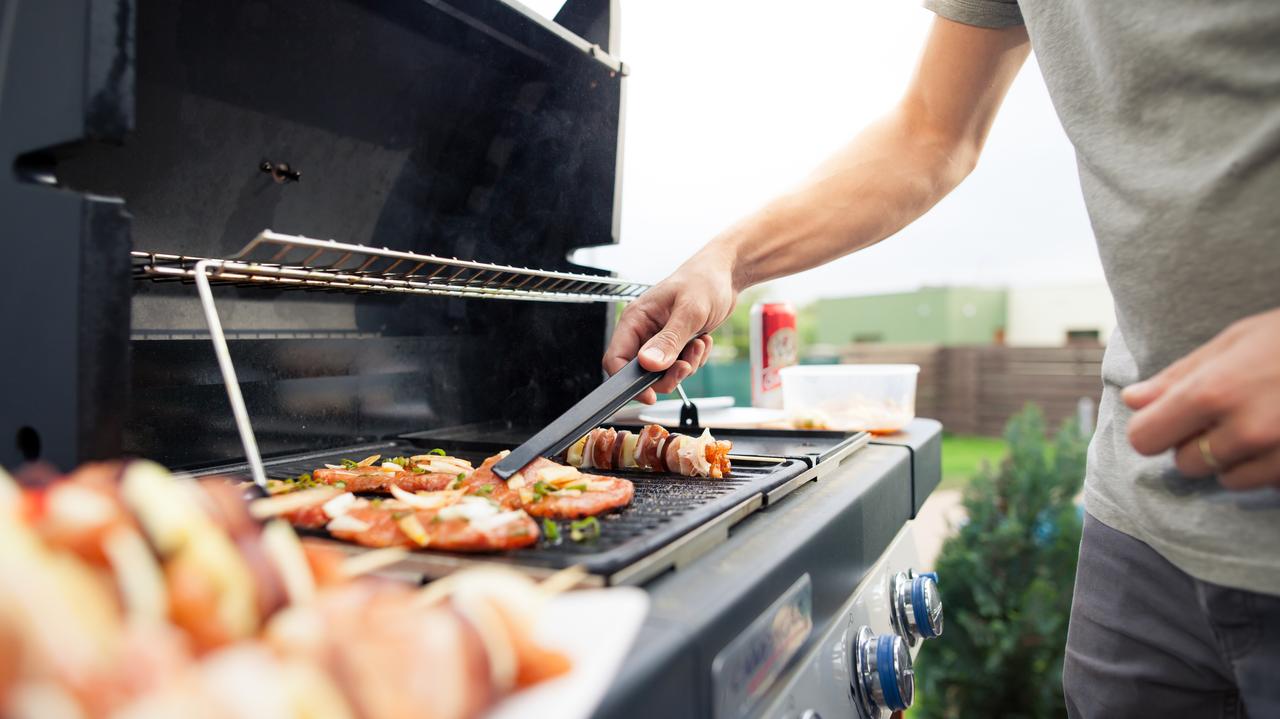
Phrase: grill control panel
(862, 665)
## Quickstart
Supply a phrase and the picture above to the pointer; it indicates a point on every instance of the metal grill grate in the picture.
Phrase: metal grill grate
(634, 544)
(284, 261)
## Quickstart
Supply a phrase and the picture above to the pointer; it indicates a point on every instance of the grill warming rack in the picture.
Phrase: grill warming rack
(273, 259)
(285, 261)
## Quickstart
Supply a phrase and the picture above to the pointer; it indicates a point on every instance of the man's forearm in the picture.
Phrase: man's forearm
(887, 177)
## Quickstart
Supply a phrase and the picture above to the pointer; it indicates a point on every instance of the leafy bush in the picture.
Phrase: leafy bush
(1006, 581)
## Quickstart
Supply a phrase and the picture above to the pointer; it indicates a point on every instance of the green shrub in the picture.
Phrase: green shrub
(1006, 581)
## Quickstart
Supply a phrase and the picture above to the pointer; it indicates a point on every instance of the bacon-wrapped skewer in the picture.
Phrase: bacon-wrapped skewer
(653, 449)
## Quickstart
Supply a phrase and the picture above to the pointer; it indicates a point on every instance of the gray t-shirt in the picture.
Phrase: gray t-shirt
(1174, 111)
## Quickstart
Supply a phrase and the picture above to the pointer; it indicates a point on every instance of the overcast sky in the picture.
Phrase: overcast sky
(731, 101)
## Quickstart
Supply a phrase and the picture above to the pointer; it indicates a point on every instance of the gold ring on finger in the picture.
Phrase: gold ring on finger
(1207, 453)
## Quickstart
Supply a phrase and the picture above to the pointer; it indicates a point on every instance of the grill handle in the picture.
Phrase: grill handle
(602, 402)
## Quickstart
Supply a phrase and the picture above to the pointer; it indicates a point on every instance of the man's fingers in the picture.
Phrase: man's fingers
(694, 352)
(666, 345)
(634, 327)
(1141, 394)
(710, 343)
(674, 376)
(647, 397)
(1259, 472)
(1179, 414)
(1232, 442)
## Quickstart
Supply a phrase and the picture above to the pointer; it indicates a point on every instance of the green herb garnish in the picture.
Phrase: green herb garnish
(376, 502)
(340, 484)
(350, 464)
(485, 491)
(582, 529)
(541, 490)
(419, 469)
(402, 461)
(399, 515)
(579, 487)
(551, 529)
(438, 451)
(457, 481)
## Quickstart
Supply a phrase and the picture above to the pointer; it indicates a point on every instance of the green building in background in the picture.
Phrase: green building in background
(930, 315)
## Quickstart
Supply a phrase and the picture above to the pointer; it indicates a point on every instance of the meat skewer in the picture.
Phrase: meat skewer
(71, 639)
(653, 449)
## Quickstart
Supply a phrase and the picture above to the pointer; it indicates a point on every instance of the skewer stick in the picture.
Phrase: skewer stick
(371, 561)
(562, 581)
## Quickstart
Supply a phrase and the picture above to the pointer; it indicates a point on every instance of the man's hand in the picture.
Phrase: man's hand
(890, 174)
(1222, 399)
(660, 324)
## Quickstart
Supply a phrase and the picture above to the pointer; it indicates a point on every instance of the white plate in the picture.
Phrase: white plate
(729, 417)
(633, 412)
(594, 628)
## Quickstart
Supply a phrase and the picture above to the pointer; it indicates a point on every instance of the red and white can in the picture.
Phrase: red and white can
(774, 345)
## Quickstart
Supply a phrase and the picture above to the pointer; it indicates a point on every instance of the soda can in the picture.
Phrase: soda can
(774, 345)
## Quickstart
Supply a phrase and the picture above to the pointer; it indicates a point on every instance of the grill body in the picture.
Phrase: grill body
(456, 128)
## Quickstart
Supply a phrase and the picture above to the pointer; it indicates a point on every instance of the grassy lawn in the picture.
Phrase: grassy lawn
(962, 457)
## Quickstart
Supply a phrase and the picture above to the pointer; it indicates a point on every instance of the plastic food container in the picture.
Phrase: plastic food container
(879, 398)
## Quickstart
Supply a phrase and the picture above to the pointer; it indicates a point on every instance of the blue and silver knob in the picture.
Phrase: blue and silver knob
(883, 680)
(916, 605)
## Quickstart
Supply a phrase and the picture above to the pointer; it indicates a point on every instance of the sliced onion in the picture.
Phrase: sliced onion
(371, 561)
(10, 492)
(138, 574)
(599, 485)
(347, 523)
(440, 460)
(573, 456)
(413, 529)
(588, 450)
(629, 445)
(279, 504)
(427, 500)
(339, 505)
(494, 637)
(367, 461)
(470, 509)
(390, 467)
(559, 476)
(281, 545)
(487, 524)
(79, 505)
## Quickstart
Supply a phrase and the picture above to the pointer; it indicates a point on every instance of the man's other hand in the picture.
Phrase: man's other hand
(1219, 405)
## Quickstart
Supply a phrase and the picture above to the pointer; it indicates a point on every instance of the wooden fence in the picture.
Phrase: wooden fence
(974, 390)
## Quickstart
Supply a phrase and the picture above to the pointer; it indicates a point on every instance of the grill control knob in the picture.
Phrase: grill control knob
(916, 605)
(883, 680)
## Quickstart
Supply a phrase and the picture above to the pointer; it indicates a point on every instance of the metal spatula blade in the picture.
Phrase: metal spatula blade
(603, 401)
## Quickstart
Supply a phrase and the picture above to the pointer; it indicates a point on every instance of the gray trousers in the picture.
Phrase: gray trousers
(1148, 640)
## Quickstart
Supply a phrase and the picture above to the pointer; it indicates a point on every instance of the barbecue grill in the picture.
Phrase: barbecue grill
(249, 238)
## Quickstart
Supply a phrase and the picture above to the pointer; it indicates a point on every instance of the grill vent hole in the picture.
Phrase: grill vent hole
(28, 441)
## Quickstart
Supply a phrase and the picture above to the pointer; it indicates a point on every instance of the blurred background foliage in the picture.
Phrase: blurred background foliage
(1006, 582)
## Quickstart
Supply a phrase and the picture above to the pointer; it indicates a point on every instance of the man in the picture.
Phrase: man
(1174, 112)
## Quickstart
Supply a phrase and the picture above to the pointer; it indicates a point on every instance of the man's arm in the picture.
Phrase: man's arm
(890, 174)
